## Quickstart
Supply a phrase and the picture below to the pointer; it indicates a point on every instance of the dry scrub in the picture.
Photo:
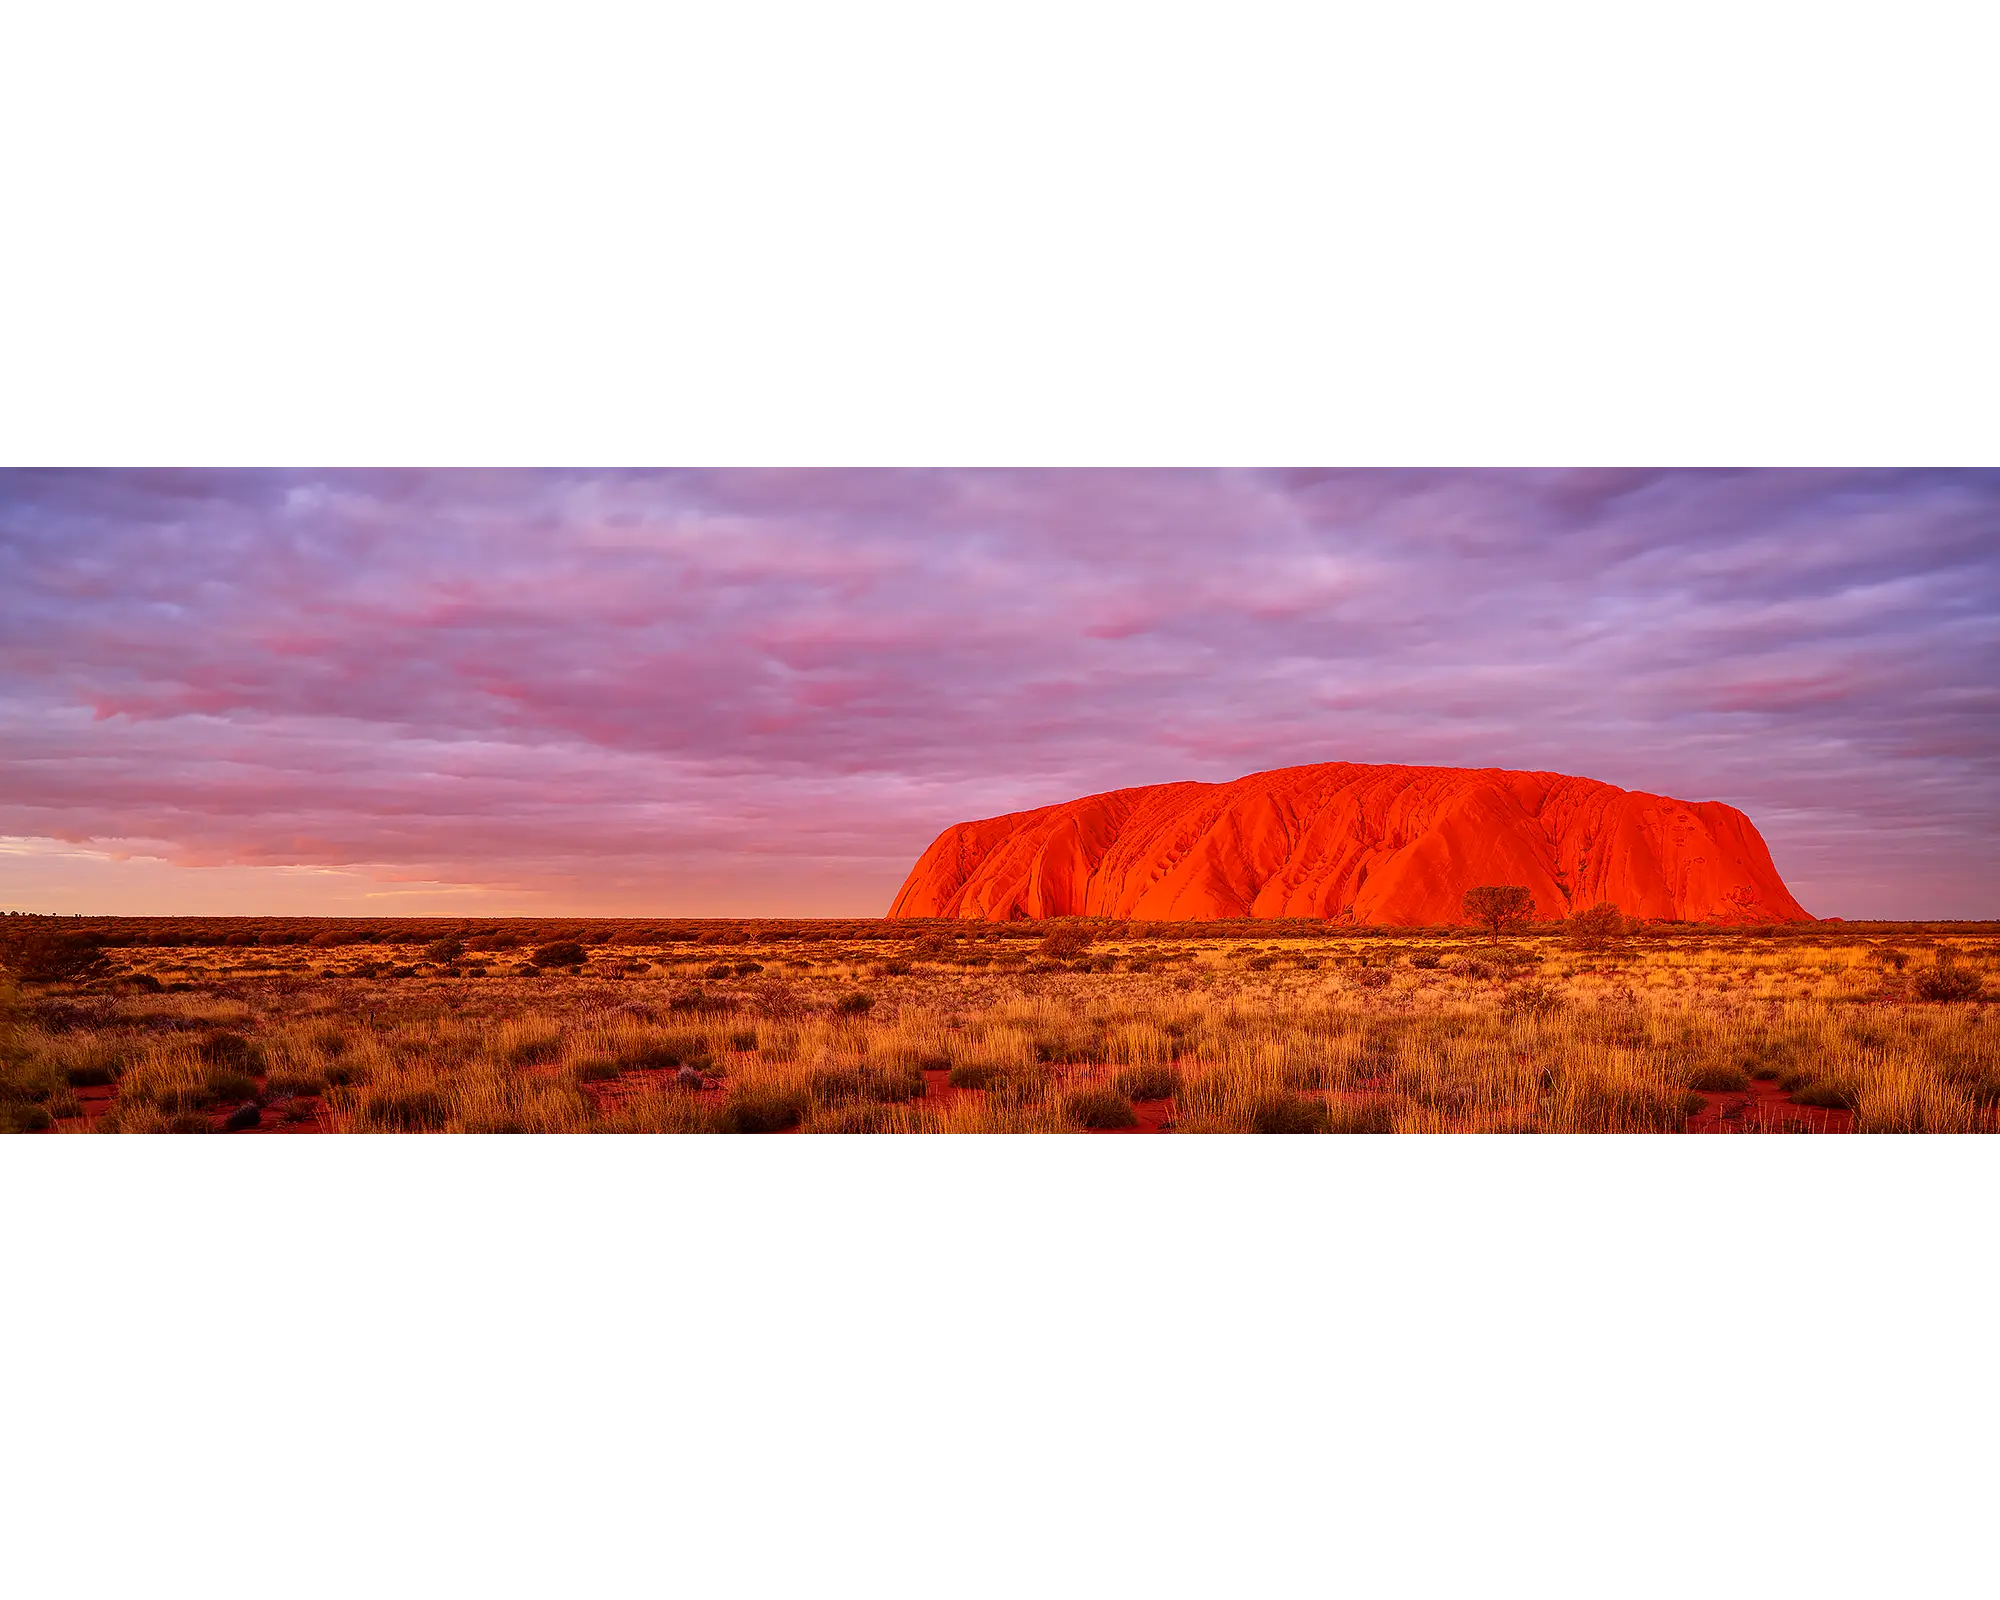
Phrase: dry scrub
(925, 1028)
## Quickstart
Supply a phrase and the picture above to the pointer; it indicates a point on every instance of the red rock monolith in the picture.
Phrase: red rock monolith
(1386, 846)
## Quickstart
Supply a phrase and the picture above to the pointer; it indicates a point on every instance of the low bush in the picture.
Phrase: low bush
(975, 1075)
(1288, 1113)
(1066, 943)
(1717, 1079)
(760, 1111)
(1828, 1096)
(1149, 1082)
(834, 1085)
(1948, 982)
(1098, 1108)
(562, 953)
(1532, 1000)
(41, 957)
(856, 1004)
(401, 1110)
(227, 1086)
(222, 1048)
(1427, 961)
(1596, 927)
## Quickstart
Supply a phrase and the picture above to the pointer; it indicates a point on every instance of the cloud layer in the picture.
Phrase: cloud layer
(671, 692)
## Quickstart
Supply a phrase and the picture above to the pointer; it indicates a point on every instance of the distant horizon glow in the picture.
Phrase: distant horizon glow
(764, 693)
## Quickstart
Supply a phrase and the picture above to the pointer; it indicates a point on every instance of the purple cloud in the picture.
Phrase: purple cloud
(668, 691)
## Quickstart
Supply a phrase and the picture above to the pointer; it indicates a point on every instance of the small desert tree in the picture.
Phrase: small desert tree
(1595, 926)
(1499, 907)
(1067, 941)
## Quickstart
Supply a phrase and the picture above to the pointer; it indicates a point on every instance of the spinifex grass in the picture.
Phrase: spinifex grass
(1272, 1028)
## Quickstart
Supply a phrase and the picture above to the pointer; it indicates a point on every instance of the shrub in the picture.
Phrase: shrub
(1947, 981)
(836, 1084)
(225, 1085)
(1288, 1113)
(562, 953)
(1428, 961)
(597, 1069)
(402, 1109)
(1149, 1083)
(1533, 1000)
(697, 1001)
(1369, 977)
(1261, 963)
(760, 1111)
(1066, 943)
(444, 951)
(975, 1075)
(40, 957)
(1595, 927)
(326, 939)
(1718, 1079)
(1099, 1108)
(1499, 907)
(856, 1004)
(25, 1119)
(1830, 1096)
(224, 1049)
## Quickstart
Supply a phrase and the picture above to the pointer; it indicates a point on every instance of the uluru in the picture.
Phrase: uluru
(1389, 846)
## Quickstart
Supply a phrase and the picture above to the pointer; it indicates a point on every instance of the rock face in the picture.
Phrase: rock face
(1394, 846)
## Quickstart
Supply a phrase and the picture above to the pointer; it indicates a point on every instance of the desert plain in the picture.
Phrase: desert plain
(1069, 1025)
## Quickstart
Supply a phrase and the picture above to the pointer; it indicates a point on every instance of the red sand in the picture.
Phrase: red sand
(1765, 1108)
(96, 1101)
(1390, 846)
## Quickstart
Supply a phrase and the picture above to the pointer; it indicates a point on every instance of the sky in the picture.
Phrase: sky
(765, 692)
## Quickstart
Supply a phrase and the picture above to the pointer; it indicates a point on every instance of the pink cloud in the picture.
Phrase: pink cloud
(787, 682)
